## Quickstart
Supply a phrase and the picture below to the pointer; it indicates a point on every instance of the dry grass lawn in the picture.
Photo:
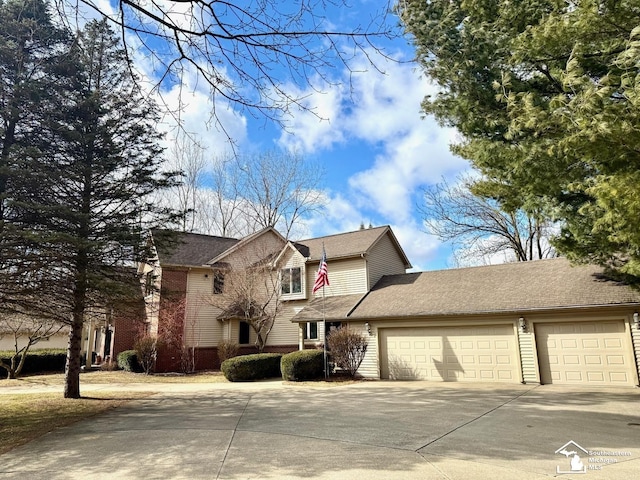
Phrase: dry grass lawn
(25, 417)
(116, 376)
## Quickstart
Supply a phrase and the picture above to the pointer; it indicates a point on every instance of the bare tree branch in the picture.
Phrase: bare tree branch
(247, 52)
(480, 226)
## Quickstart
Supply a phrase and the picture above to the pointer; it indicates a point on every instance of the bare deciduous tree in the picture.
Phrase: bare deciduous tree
(186, 155)
(25, 331)
(481, 227)
(279, 189)
(239, 195)
(218, 205)
(251, 292)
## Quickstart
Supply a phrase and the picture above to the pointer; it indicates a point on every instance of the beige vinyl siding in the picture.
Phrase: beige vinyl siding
(231, 333)
(152, 301)
(59, 340)
(383, 259)
(284, 332)
(234, 327)
(346, 277)
(528, 356)
(258, 249)
(202, 329)
(369, 366)
(635, 338)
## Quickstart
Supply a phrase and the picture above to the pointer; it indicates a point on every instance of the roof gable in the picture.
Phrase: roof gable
(350, 244)
(512, 287)
(254, 238)
(289, 247)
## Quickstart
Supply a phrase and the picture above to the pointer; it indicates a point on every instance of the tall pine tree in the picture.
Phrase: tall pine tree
(94, 201)
(33, 77)
(545, 94)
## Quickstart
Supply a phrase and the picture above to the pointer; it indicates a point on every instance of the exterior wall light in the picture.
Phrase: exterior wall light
(522, 323)
(636, 319)
(368, 327)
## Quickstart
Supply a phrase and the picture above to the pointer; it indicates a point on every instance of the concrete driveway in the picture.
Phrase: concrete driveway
(370, 430)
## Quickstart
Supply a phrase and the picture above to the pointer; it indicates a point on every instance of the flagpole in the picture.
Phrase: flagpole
(324, 328)
(322, 279)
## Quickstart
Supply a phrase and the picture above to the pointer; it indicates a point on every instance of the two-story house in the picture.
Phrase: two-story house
(529, 322)
(198, 277)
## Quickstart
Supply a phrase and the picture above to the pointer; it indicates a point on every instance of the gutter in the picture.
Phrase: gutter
(485, 312)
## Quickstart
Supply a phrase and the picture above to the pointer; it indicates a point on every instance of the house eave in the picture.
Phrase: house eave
(515, 311)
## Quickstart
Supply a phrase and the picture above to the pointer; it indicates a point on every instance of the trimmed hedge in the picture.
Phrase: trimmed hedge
(128, 361)
(302, 365)
(38, 361)
(252, 367)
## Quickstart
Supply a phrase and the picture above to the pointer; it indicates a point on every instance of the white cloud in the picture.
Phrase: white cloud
(315, 124)
(339, 215)
(409, 162)
(194, 109)
(419, 247)
(382, 111)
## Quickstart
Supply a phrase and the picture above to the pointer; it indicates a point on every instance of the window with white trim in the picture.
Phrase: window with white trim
(291, 280)
(310, 331)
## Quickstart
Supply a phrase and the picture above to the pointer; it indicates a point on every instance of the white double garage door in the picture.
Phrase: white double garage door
(596, 353)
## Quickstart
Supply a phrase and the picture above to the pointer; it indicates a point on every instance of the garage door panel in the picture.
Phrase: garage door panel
(590, 343)
(612, 343)
(485, 353)
(594, 353)
(593, 359)
(619, 377)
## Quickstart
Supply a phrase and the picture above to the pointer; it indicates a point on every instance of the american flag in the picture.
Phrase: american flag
(322, 278)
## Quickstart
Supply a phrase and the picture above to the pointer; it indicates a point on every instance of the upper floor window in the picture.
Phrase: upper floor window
(218, 282)
(291, 280)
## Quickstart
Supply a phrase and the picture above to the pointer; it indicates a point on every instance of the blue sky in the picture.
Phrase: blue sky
(368, 133)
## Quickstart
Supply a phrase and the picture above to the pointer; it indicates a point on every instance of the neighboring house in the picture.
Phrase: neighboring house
(58, 340)
(531, 322)
(528, 322)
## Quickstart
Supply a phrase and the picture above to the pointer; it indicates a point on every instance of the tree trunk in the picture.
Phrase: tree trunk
(72, 367)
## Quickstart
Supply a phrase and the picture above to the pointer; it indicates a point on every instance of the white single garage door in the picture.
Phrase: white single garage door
(480, 354)
(587, 353)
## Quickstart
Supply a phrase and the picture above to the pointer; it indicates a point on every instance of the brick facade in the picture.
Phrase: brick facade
(207, 358)
(173, 290)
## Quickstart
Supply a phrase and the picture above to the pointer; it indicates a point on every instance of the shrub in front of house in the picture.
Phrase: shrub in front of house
(302, 365)
(128, 361)
(146, 348)
(227, 349)
(347, 349)
(246, 368)
(38, 361)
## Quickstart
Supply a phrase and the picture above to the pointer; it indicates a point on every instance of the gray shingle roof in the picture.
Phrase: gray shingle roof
(513, 287)
(193, 249)
(335, 308)
(348, 244)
